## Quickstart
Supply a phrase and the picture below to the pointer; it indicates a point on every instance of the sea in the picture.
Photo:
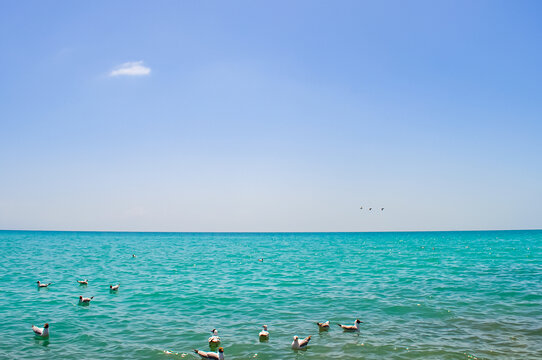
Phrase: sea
(420, 295)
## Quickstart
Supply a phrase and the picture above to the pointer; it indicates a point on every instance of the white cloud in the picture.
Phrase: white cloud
(134, 68)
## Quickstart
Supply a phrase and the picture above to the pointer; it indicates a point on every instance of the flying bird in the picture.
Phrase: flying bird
(43, 332)
(296, 345)
(211, 355)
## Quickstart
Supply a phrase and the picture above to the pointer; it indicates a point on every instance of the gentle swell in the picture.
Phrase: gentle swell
(453, 295)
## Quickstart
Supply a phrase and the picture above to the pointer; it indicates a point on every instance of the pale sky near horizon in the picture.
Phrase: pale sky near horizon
(270, 115)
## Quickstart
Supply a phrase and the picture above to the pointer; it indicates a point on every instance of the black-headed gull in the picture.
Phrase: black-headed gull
(83, 300)
(354, 327)
(214, 339)
(323, 325)
(114, 288)
(43, 285)
(300, 344)
(43, 332)
(264, 334)
(211, 355)
(83, 282)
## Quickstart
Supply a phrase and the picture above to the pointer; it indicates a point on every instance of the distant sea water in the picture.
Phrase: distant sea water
(420, 295)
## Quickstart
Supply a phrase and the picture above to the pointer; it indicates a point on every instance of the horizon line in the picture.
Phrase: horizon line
(267, 232)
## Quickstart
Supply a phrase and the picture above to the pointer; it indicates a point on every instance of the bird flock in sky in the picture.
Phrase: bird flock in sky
(371, 209)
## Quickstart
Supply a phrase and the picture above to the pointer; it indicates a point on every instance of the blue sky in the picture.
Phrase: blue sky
(270, 116)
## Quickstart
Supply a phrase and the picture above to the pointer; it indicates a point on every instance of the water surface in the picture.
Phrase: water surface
(434, 295)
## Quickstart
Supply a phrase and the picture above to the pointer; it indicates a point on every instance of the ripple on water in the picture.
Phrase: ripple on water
(463, 295)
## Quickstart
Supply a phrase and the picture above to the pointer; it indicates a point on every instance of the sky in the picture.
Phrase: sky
(270, 115)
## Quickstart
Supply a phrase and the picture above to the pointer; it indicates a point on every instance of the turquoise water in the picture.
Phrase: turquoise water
(439, 295)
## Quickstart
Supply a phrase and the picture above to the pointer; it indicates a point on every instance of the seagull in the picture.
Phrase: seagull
(43, 332)
(354, 327)
(83, 282)
(40, 285)
(323, 326)
(296, 345)
(83, 300)
(382, 209)
(211, 355)
(214, 339)
(264, 334)
(370, 209)
(114, 288)
(260, 259)
(133, 255)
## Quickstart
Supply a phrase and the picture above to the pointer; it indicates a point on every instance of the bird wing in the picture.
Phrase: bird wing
(203, 354)
(349, 327)
(37, 330)
(305, 341)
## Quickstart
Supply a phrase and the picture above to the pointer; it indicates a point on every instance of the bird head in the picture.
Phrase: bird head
(220, 349)
(46, 325)
(295, 338)
(80, 297)
(111, 286)
(358, 321)
(265, 327)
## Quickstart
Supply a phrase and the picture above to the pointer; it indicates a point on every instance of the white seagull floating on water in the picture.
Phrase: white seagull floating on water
(211, 355)
(214, 339)
(83, 300)
(354, 327)
(296, 345)
(43, 332)
(323, 326)
(264, 334)
(83, 282)
(43, 285)
(114, 288)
